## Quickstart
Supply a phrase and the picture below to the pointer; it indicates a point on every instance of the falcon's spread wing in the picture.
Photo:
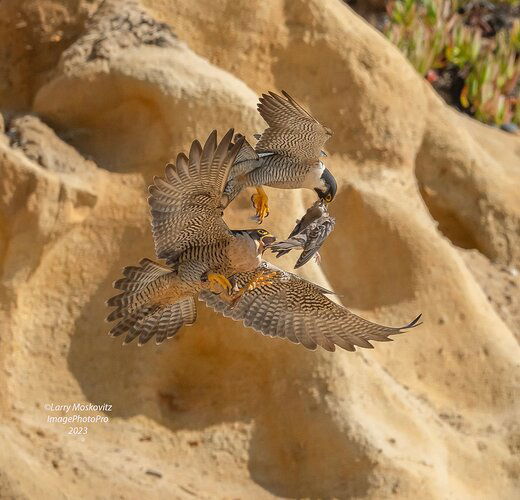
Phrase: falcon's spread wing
(292, 130)
(186, 204)
(298, 310)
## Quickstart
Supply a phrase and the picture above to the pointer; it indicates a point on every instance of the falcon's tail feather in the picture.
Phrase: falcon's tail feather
(139, 314)
(245, 161)
(245, 153)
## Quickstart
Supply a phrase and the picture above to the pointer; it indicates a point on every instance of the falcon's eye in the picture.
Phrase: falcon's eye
(328, 198)
(262, 231)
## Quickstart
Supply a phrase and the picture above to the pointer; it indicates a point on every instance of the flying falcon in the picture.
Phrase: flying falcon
(224, 268)
(190, 234)
(309, 234)
(287, 155)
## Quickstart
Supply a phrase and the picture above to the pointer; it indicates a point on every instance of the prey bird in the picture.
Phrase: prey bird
(287, 155)
(224, 268)
(309, 234)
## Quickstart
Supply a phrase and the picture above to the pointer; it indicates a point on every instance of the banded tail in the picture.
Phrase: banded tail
(143, 310)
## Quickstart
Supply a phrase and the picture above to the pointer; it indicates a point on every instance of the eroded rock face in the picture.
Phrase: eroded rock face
(221, 408)
(117, 27)
(34, 33)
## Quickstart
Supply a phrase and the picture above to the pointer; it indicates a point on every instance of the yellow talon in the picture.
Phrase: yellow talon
(220, 280)
(260, 202)
(261, 278)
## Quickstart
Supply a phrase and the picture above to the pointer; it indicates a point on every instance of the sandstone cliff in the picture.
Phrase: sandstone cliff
(96, 98)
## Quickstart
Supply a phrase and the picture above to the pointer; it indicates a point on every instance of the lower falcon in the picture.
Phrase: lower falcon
(190, 234)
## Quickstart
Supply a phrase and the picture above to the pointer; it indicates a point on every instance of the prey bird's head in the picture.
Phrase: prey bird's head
(328, 188)
(263, 237)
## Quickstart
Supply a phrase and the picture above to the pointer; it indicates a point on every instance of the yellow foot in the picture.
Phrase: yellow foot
(260, 200)
(221, 281)
(261, 278)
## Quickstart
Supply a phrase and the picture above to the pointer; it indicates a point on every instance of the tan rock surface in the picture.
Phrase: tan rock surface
(222, 412)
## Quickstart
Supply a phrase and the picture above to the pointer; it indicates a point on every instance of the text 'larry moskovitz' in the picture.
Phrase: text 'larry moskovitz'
(91, 407)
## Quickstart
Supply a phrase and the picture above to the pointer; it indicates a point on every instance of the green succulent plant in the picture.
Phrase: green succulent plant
(433, 35)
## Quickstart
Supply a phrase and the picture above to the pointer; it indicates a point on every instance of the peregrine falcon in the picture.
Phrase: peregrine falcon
(190, 234)
(287, 155)
(224, 268)
(309, 234)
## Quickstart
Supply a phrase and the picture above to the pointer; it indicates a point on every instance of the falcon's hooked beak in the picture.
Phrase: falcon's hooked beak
(329, 183)
(262, 238)
(267, 241)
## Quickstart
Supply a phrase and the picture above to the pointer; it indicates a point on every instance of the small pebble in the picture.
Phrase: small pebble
(509, 127)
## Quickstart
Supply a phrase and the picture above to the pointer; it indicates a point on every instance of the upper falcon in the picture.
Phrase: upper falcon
(287, 154)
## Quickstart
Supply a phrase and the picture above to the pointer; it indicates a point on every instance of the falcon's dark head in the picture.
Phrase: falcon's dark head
(265, 237)
(331, 187)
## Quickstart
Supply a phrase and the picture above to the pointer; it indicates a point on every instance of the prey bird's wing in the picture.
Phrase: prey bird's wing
(185, 204)
(309, 240)
(292, 130)
(309, 234)
(315, 236)
(312, 214)
(298, 310)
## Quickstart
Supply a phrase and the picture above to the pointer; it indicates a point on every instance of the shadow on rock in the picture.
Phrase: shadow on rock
(219, 373)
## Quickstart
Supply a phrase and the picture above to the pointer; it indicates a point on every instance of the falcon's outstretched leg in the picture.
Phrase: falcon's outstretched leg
(260, 278)
(221, 280)
(260, 202)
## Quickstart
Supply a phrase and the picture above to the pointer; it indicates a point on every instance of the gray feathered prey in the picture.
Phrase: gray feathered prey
(287, 155)
(309, 234)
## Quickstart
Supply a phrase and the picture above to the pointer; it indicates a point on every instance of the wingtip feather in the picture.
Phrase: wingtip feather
(286, 95)
(195, 150)
(228, 136)
(415, 322)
